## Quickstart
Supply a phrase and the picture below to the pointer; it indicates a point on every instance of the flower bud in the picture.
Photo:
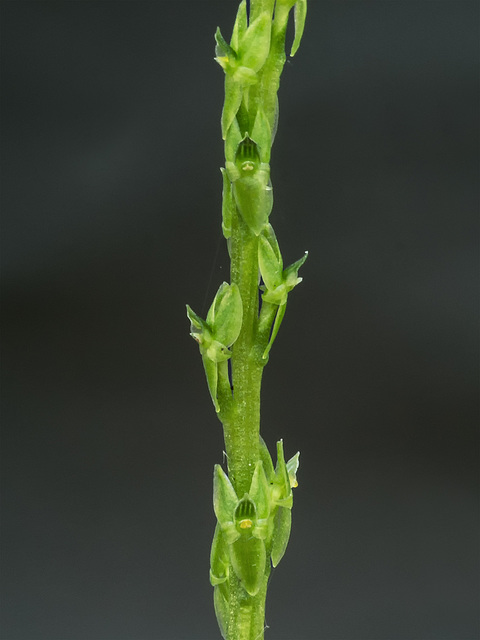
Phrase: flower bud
(300, 13)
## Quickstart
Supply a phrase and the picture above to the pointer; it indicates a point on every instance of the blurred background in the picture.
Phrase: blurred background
(111, 223)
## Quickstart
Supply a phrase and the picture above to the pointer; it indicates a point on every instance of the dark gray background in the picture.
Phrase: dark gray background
(111, 223)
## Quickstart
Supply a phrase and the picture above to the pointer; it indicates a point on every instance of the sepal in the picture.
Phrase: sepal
(270, 263)
(254, 45)
(211, 373)
(259, 6)
(232, 140)
(292, 468)
(219, 572)
(240, 26)
(260, 493)
(275, 329)
(197, 325)
(282, 495)
(219, 559)
(220, 603)
(266, 459)
(281, 534)
(231, 105)
(300, 13)
(225, 502)
(282, 491)
(249, 47)
(225, 54)
(291, 273)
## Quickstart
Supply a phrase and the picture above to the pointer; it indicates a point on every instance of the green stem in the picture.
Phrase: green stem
(247, 613)
(242, 426)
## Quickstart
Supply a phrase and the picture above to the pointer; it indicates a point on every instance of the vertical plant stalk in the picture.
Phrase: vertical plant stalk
(243, 429)
(253, 502)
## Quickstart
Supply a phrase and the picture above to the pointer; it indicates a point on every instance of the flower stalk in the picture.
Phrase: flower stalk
(253, 502)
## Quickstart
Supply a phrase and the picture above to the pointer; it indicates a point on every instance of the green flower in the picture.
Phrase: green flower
(243, 526)
(281, 480)
(251, 186)
(246, 527)
(217, 333)
(278, 281)
(242, 58)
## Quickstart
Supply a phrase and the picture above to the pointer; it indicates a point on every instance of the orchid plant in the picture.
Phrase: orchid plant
(253, 502)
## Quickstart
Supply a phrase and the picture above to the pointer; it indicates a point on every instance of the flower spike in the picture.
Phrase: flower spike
(253, 501)
(217, 333)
